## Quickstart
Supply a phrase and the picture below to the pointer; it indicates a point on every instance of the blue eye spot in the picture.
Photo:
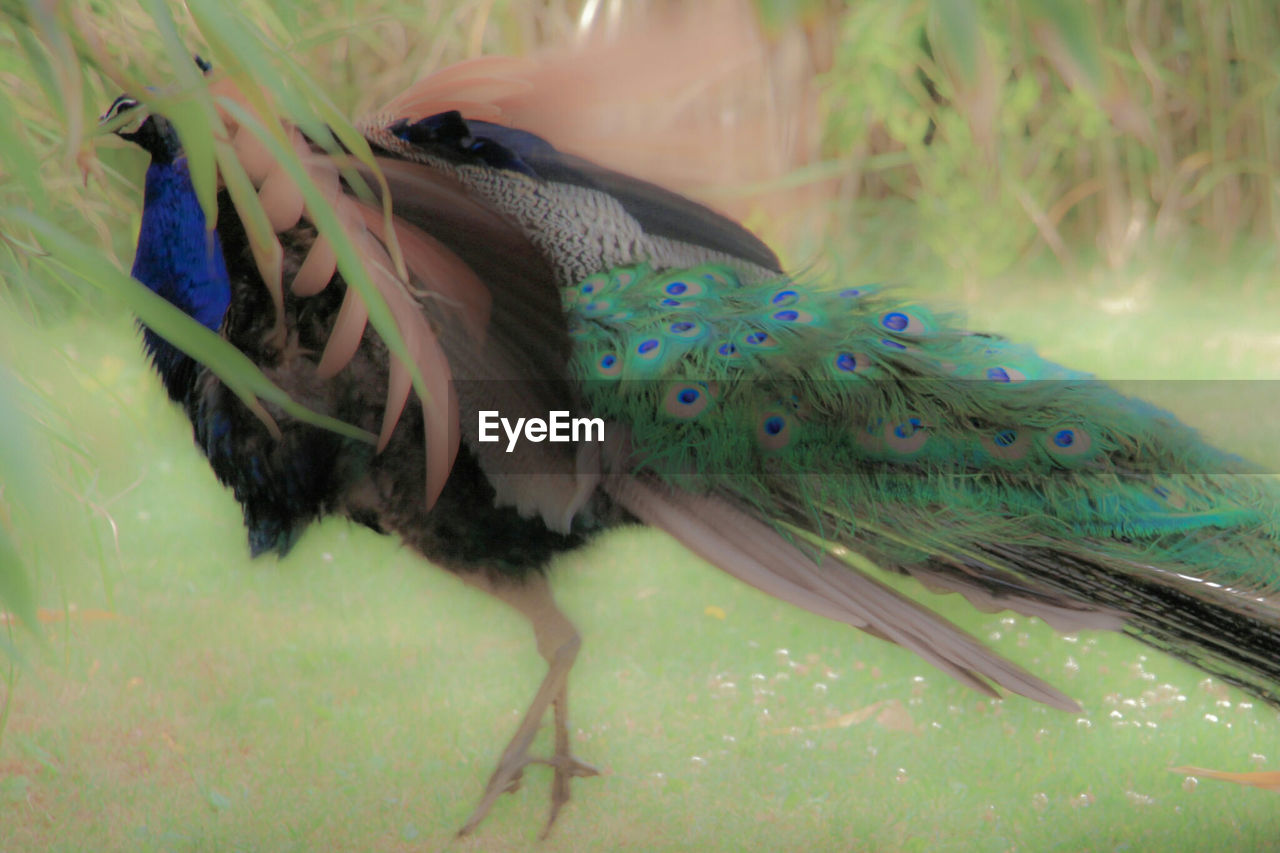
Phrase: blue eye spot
(648, 345)
(1064, 438)
(785, 297)
(787, 316)
(850, 293)
(685, 401)
(727, 349)
(847, 362)
(757, 338)
(893, 344)
(676, 288)
(997, 374)
(671, 303)
(681, 327)
(774, 425)
(907, 428)
(1005, 437)
(1161, 491)
(609, 360)
(895, 321)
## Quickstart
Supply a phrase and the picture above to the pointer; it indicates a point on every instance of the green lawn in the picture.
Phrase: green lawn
(352, 698)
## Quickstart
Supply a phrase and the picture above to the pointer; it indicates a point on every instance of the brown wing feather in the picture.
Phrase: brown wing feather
(440, 271)
(756, 554)
(345, 337)
(284, 204)
(317, 268)
(526, 316)
(440, 410)
(519, 366)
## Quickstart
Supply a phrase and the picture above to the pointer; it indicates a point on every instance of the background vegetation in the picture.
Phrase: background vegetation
(1098, 178)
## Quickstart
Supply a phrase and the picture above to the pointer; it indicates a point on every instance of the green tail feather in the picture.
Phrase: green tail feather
(872, 423)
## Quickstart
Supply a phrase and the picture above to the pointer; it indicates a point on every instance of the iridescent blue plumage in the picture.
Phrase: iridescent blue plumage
(180, 259)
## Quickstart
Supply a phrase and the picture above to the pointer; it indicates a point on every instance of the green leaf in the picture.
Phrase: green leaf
(18, 157)
(1073, 24)
(16, 594)
(233, 367)
(192, 112)
(42, 69)
(956, 35)
(21, 479)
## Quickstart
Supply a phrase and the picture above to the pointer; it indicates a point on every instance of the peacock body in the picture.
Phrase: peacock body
(798, 436)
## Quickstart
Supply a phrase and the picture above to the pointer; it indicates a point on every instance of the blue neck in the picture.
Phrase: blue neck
(181, 261)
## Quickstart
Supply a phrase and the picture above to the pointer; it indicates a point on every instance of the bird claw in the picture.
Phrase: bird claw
(507, 778)
(566, 767)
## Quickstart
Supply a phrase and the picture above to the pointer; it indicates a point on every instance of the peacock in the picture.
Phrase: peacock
(801, 435)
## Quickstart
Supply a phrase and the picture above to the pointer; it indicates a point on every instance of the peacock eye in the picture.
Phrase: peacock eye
(686, 401)
(119, 105)
(773, 431)
(125, 109)
(1004, 374)
(609, 366)
(909, 322)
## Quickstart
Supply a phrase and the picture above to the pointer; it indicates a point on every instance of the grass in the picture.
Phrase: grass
(350, 698)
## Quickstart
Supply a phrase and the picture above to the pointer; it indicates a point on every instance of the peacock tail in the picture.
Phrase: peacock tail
(856, 422)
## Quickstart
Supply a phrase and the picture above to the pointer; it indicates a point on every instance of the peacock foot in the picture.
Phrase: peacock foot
(509, 774)
(558, 644)
(566, 767)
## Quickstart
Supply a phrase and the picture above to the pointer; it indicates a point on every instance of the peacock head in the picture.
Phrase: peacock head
(150, 132)
(153, 133)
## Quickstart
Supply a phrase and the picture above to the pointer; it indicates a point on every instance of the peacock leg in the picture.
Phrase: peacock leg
(558, 643)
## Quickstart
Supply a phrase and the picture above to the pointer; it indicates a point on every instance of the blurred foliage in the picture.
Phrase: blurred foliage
(1014, 126)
